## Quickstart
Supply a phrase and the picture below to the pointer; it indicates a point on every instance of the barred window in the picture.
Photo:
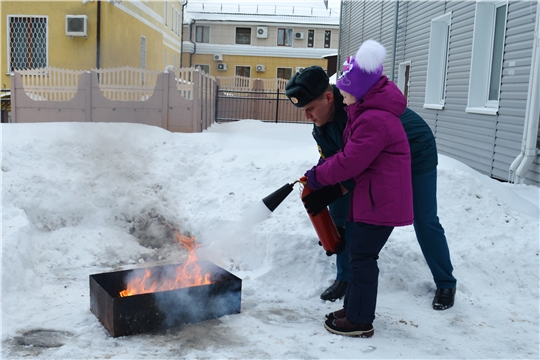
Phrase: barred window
(27, 42)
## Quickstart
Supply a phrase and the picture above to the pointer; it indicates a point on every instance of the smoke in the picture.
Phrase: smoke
(199, 303)
(225, 241)
(254, 215)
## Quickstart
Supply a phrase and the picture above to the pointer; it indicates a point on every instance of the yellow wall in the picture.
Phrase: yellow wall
(120, 34)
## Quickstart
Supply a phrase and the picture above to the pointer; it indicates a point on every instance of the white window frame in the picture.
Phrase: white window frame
(165, 18)
(284, 68)
(236, 35)
(327, 39)
(205, 31)
(165, 58)
(403, 81)
(482, 58)
(173, 16)
(142, 56)
(203, 67)
(437, 62)
(287, 36)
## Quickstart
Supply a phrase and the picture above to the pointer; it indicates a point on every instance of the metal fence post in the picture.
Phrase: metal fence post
(277, 105)
(217, 104)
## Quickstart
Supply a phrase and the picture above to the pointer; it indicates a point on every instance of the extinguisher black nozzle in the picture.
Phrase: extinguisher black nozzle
(273, 200)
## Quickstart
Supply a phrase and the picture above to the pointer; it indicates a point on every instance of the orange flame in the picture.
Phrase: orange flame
(187, 275)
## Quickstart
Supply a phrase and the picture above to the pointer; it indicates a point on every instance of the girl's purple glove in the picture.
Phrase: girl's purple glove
(312, 182)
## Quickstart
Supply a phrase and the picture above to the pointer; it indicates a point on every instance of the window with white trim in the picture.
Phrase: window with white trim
(203, 67)
(284, 37)
(142, 56)
(327, 37)
(310, 38)
(172, 18)
(202, 34)
(165, 17)
(487, 57)
(164, 58)
(28, 36)
(404, 75)
(437, 62)
(243, 35)
(244, 72)
(284, 73)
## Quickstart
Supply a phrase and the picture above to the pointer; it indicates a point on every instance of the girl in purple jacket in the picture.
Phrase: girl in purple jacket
(376, 157)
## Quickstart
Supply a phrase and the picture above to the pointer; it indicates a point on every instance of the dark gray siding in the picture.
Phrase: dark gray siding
(487, 143)
(366, 20)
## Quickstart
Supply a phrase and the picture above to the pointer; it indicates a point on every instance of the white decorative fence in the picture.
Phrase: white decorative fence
(180, 100)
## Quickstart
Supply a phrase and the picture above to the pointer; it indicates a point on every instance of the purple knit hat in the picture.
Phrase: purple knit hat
(362, 71)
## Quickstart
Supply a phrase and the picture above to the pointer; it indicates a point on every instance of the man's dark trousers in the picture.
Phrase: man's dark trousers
(429, 231)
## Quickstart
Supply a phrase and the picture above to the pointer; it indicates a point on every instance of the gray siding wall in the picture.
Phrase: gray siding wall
(487, 143)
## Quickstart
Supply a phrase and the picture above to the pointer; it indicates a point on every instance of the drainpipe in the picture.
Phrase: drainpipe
(182, 39)
(338, 65)
(193, 42)
(520, 166)
(394, 41)
(98, 36)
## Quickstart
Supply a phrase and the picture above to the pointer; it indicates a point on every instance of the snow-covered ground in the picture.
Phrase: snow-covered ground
(81, 199)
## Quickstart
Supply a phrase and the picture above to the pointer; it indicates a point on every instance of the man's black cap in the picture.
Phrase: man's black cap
(306, 85)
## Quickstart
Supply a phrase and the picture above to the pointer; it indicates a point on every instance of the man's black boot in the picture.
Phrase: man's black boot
(444, 299)
(335, 291)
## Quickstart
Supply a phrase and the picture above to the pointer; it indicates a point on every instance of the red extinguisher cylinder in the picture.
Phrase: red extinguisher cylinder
(324, 226)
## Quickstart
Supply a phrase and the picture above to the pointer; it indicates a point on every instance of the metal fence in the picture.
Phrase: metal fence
(255, 99)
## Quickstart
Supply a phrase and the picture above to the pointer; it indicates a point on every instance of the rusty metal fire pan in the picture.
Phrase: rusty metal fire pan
(164, 309)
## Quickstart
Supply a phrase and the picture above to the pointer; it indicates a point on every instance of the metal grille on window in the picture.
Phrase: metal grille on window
(27, 42)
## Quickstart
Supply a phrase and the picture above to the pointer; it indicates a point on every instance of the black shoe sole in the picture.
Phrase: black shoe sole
(357, 333)
(441, 307)
(332, 300)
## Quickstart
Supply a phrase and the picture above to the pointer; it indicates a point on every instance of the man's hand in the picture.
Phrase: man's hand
(318, 200)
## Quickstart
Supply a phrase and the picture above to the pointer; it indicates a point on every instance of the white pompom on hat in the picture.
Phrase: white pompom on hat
(363, 70)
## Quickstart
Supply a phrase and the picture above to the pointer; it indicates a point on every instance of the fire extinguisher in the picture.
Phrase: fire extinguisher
(324, 226)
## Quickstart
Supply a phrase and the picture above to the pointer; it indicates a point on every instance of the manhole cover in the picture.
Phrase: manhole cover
(43, 338)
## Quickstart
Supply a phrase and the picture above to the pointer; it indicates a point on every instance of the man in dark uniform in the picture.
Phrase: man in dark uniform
(323, 105)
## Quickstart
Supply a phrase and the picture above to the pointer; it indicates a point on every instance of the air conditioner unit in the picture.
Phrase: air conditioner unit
(299, 69)
(299, 35)
(218, 57)
(260, 68)
(76, 25)
(262, 32)
(222, 67)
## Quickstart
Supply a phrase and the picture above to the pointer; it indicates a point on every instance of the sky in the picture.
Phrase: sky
(301, 7)
(89, 198)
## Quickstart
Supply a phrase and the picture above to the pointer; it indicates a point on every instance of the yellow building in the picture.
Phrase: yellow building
(88, 34)
(265, 39)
